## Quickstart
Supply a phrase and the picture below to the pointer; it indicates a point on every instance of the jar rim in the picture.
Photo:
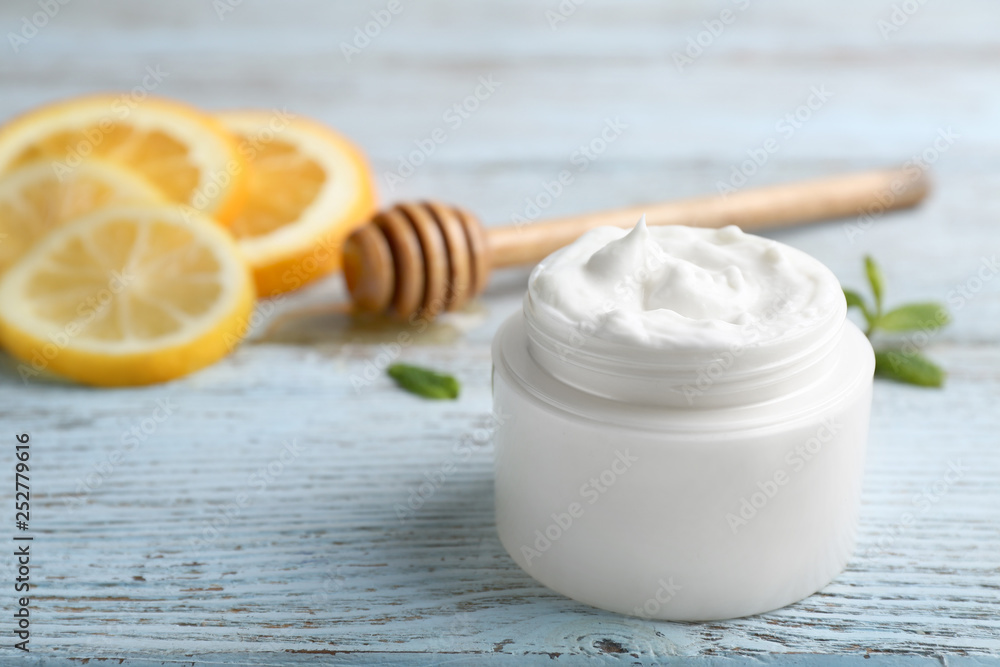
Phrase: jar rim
(672, 375)
(837, 382)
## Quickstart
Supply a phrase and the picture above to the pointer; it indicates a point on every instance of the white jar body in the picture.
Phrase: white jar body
(675, 514)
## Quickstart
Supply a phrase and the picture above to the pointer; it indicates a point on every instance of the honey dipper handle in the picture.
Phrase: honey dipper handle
(764, 208)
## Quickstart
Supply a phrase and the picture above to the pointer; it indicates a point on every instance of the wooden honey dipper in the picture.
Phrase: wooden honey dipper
(422, 258)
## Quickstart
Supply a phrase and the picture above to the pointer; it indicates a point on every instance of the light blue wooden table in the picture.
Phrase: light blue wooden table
(142, 553)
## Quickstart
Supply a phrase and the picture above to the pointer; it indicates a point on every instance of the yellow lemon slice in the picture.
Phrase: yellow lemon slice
(34, 200)
(127, 295)
(308, 188)
(184, 152)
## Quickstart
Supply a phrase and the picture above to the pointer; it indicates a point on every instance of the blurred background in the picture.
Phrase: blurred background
(485, 105)
(693, 88)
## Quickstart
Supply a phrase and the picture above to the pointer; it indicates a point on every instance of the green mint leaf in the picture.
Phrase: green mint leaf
(913, 316)
(855, 300)
(876, 281)
(424, 382)
(911, 368)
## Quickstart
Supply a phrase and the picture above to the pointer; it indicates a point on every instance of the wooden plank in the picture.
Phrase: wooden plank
(318, 558)
(144, 549)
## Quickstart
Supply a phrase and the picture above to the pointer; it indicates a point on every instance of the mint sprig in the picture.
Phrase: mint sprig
(424, 382)
(910, 368)
(903, 363)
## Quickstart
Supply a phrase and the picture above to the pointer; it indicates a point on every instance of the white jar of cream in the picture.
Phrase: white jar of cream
(684, 416)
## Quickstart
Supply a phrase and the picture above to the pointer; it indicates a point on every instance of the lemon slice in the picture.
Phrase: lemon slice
(127, 295)
(308, 188)
(34, 200)
(184, 152)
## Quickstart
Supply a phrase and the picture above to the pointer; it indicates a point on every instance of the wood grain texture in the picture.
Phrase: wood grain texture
(755, 210)
(173, 547)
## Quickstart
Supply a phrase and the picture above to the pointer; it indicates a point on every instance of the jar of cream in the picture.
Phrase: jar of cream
(683, 423)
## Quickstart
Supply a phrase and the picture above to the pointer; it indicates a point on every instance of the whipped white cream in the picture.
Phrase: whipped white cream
(682, 287)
